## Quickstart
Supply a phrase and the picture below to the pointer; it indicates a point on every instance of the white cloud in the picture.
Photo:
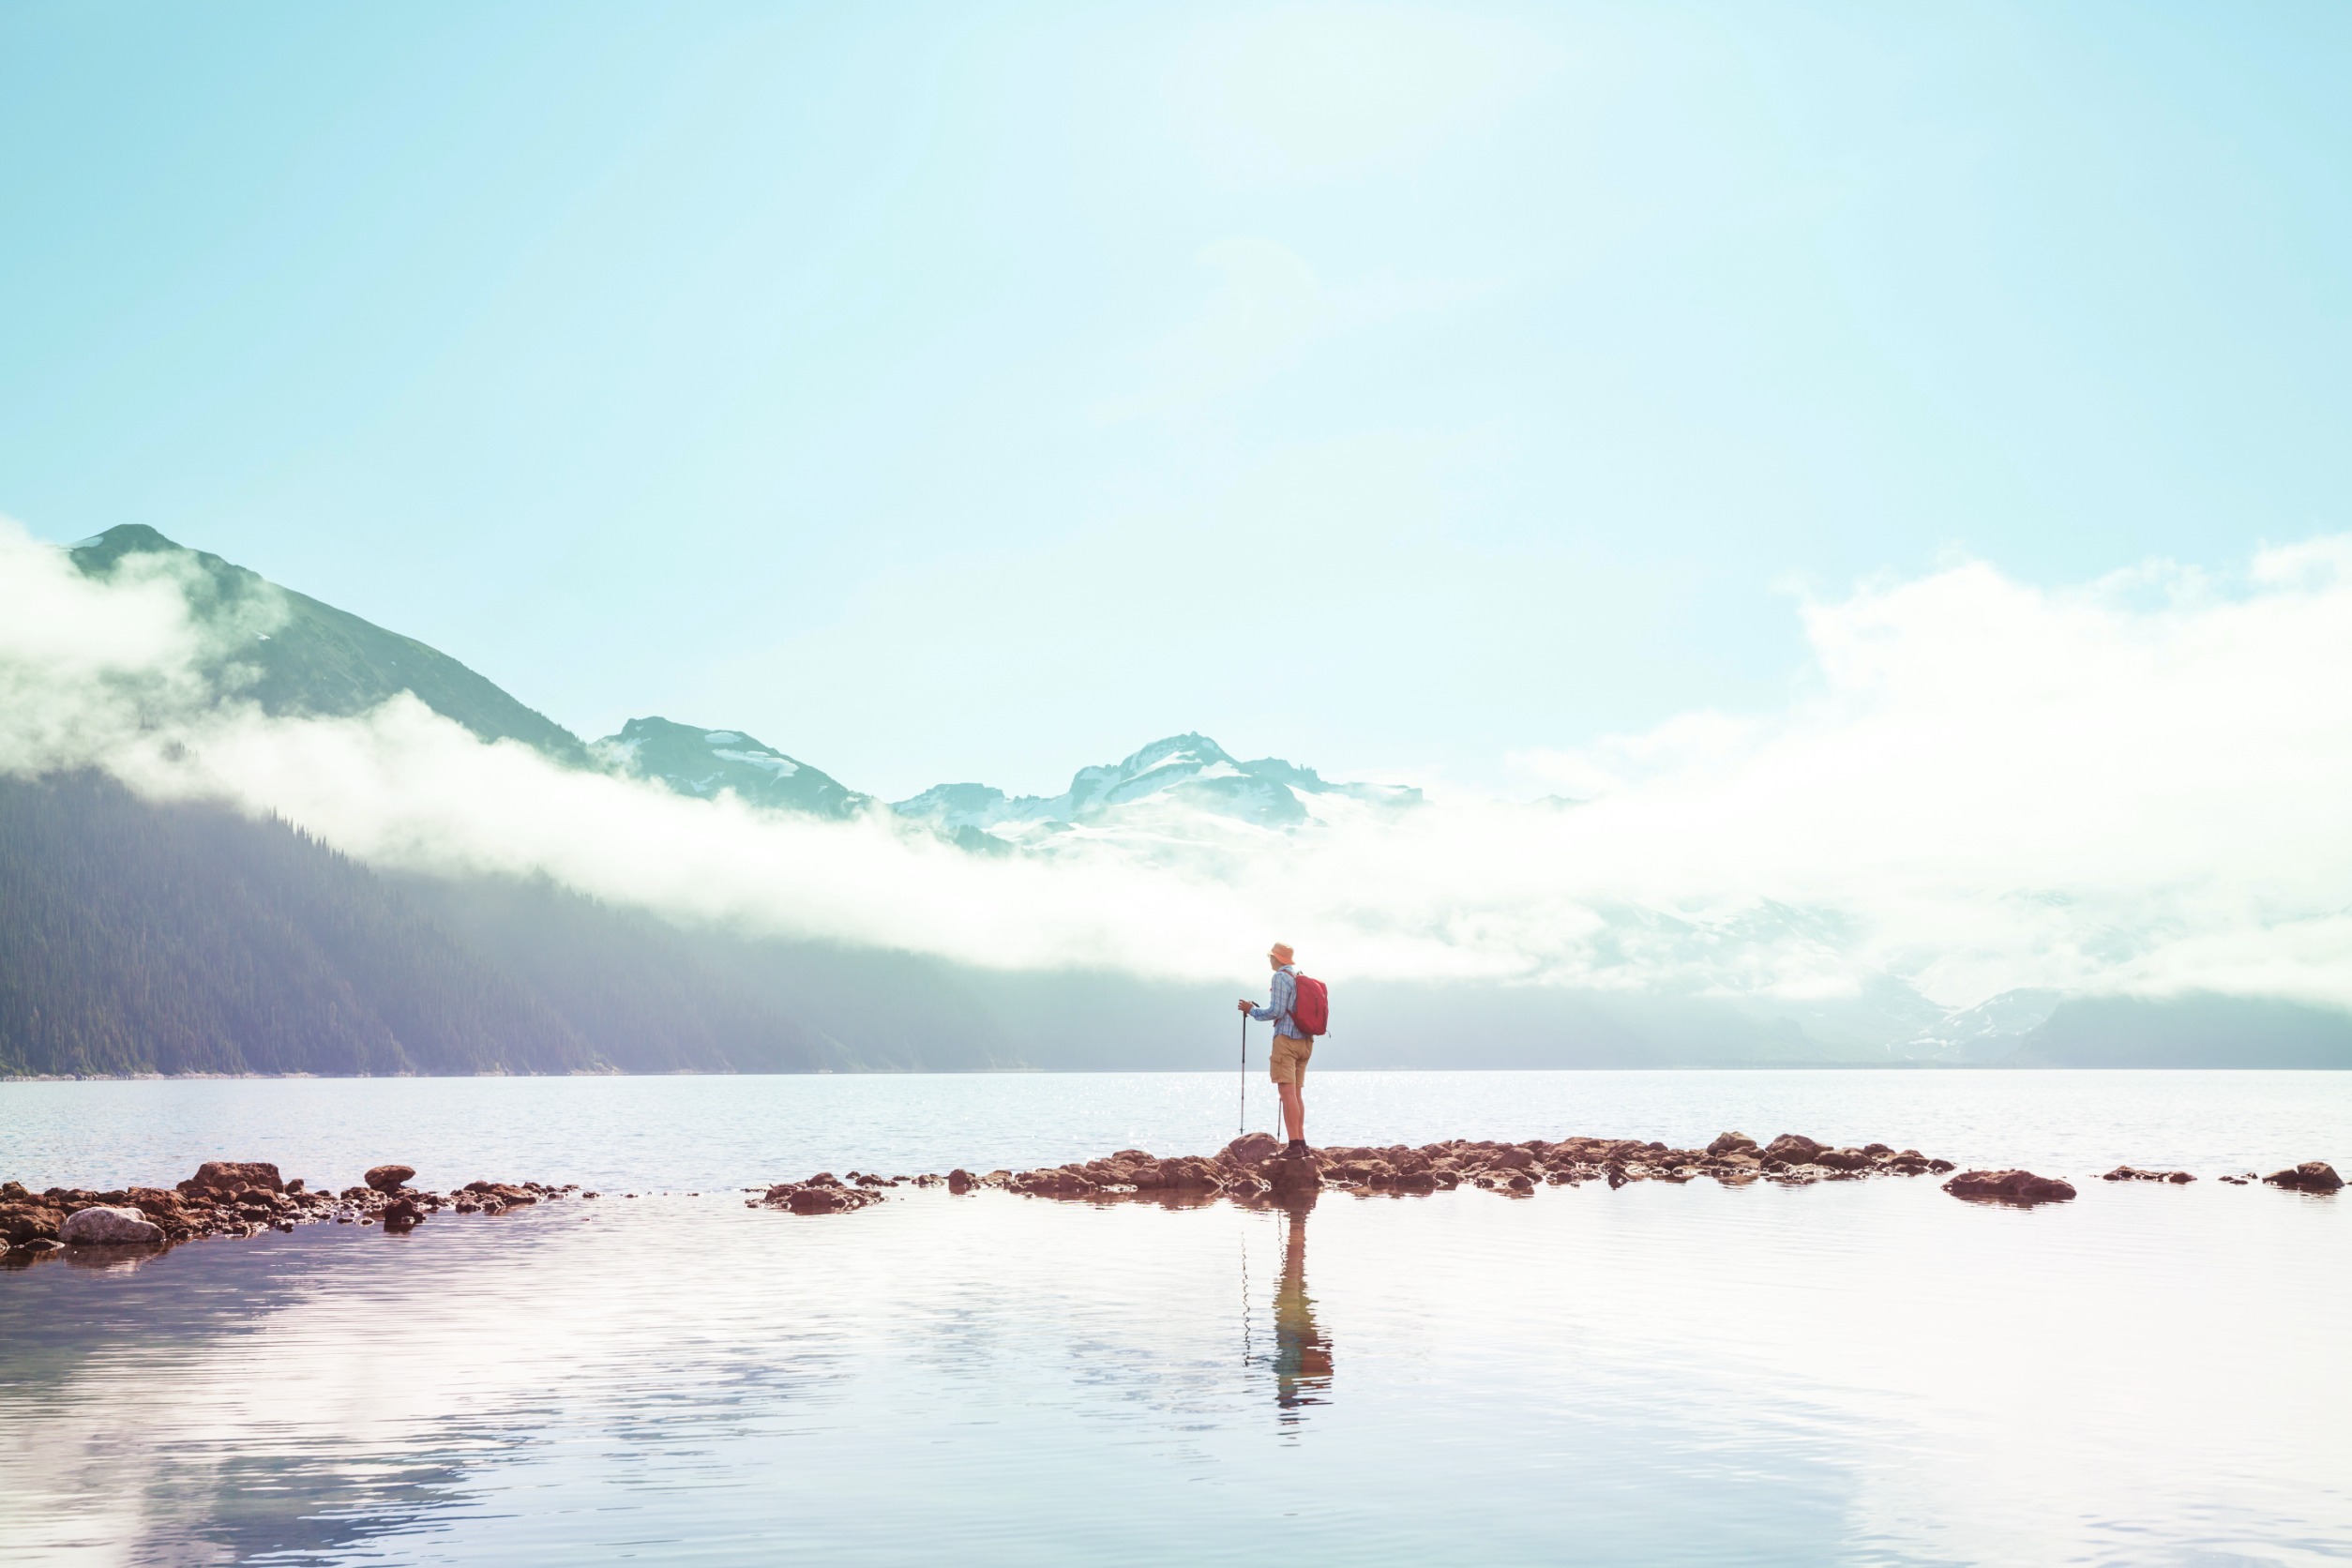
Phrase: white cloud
(2134, 785)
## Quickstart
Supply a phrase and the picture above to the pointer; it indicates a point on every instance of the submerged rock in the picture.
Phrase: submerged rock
(108, 1225)
(2021, 1188)
(496, 1197)
(2133, 1173)
(821, 1194)
(2309, 1176)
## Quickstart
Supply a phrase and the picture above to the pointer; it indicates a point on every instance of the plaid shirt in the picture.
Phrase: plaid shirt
(1278, 1005)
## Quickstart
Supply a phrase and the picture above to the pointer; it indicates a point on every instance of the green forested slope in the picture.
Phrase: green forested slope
(136, 938)
(177, 939)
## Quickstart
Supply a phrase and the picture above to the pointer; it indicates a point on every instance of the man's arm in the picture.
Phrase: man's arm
(1282, 996)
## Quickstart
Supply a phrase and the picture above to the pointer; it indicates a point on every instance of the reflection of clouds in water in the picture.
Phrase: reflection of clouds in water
(1689, 1372)
(154, 1418)
(289, 1396)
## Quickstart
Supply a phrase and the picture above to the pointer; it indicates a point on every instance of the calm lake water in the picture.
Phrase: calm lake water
(1858, 1372)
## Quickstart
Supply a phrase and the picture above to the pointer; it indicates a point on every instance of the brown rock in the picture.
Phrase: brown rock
(1291, 1178)
(2132, 1174)
(2309, 1176)
(1250, 1151)
(218, 1178)
(959, 1180)
(389, 1178)
(402, 1214)
(2021, 1188)
(1057, 1182)
(26, 1222)
(505, 1196)
(1732, 1143)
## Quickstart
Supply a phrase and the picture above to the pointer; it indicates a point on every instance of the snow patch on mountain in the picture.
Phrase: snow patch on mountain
(707, 763)
(1182, 789)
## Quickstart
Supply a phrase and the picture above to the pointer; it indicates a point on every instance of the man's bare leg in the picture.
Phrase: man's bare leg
(1293, 1111)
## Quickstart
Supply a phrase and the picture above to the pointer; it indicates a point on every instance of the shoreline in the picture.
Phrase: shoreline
(242, 1198)
(2000, 1067)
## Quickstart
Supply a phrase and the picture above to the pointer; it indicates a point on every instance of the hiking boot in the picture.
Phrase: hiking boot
(1294, 1150)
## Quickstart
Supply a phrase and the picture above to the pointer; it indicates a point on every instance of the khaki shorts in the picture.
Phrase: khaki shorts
(1287, 1065)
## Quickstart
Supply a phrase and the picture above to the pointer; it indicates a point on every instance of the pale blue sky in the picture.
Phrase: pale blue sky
(976, 391)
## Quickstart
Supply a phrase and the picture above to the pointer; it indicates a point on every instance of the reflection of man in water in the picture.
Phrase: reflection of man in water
(1302, 1351)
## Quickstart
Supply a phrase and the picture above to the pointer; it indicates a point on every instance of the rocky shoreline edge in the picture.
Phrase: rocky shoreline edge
(237, 1198)
(1252, 1169)
(228, 1198)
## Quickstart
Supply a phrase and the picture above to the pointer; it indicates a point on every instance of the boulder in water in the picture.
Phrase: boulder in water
(107, 1225)
(1251, 1150)
(2021, 1188)
(2133, 1173)
(2309, 1176)
(216, 1180)
(1794, 1149)
(25, 1218)
(389, 1178)
(1291, 1178)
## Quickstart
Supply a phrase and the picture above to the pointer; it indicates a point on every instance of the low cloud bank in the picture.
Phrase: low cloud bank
(2135, 786)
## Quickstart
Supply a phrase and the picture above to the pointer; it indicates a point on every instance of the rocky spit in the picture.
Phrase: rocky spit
(237, 1198)
(1252, 1170)
(245, 1197)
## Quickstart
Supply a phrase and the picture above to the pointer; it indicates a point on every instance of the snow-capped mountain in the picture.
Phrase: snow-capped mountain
(1182, 777)
(694, 761)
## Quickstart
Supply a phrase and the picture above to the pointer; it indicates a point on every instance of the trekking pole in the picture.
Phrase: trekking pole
(1241, 1113)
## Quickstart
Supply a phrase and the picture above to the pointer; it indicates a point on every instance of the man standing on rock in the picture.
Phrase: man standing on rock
(1292, 1045)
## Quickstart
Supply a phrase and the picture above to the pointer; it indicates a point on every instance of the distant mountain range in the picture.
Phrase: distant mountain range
(316, 659)
(137, 937)
(1191, 775)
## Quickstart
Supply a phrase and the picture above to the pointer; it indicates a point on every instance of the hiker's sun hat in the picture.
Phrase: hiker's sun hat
(1279, 952)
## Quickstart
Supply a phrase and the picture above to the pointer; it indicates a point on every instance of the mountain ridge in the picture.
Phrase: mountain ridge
(701, 762)
(487, 972)
(1188, 772)
(318, 660)
(322, 661)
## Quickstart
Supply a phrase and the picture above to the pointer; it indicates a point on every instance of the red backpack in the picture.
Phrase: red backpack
(1310, 1009)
